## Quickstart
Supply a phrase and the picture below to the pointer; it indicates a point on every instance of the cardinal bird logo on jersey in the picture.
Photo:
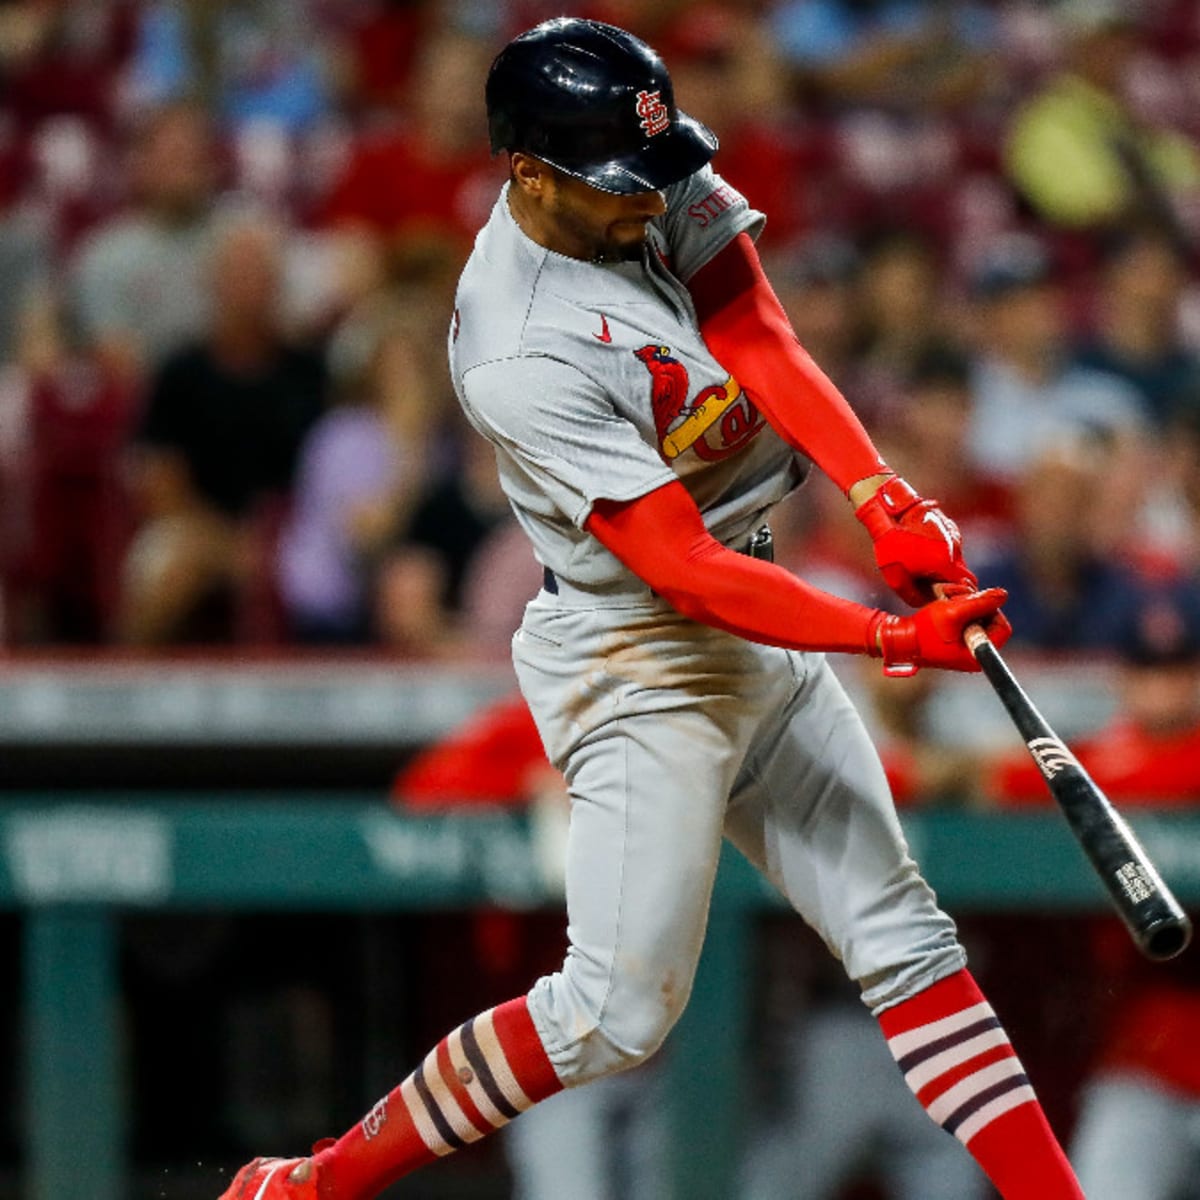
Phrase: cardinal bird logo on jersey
(716, 423)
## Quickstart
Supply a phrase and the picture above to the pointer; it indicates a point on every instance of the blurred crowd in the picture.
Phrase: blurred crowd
(230, 230)
(229, 236)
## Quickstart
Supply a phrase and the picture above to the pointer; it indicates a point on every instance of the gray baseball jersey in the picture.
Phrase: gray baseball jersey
(592, 381)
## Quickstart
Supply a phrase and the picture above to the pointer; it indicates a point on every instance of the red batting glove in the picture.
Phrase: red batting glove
(916, 544)
(933, 635)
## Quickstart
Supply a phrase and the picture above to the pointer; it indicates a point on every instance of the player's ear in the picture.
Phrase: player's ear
(530, 174)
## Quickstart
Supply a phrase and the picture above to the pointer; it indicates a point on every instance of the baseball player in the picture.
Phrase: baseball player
(616, 340)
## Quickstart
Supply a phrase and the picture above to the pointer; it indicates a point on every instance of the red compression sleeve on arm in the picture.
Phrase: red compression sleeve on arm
(661, 537)
(745, 327)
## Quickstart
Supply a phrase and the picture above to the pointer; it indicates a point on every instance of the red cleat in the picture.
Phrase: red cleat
(274, 1179)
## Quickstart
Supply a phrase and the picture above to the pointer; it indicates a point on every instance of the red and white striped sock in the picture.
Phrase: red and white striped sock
(958, 1061)
(485, 1073)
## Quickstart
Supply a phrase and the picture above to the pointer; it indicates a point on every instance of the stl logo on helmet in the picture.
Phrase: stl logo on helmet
(718, 422)
(655, 115)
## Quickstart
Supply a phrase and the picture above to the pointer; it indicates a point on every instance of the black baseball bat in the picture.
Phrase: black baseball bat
(1154, 918)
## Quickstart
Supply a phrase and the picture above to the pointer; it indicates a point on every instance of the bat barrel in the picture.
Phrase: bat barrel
(1150, 911)
(1154, 917)
(1165, 938)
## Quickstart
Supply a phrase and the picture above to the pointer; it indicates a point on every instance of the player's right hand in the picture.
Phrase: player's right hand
(933, 635)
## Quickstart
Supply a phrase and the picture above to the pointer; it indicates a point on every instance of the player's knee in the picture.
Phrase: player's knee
(621, 1044)
(638, 1034)
(609, 1030)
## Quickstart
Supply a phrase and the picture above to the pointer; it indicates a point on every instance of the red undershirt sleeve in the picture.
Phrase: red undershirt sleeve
(661, 537)
(747, 331)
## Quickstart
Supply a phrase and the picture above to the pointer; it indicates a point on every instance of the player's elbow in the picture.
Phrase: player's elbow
(690, 585)
(707, 591)
(685, 600)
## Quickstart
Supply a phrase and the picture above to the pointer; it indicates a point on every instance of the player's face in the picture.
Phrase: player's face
(573, 218)
(597, 225)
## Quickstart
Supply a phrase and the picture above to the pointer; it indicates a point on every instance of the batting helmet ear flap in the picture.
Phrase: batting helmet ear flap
(596, 103)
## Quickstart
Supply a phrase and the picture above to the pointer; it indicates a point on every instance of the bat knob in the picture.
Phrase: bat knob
(975, 637)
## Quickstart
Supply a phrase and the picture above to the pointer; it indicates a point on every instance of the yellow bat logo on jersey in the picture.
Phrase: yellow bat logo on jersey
(705, 412)
(718, 422)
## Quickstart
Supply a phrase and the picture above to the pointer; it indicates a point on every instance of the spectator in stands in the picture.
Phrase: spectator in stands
(408, 614)
(886, 52)
(1024, 389)
(928, 438)
(424, 186)
(65, 508)
(818, 539)
(461, 517)
(25, 266)
(1078, 152)
(1150, 752)
(1137, 333)
(728, 73)
(374, 59)
(815, 535)
(456, 513)
(1139, 1125)
(900, 290)
(138, 289)
(816, 280)
(217, 449)
(58, 58)
(256, 60)
(1165, 541)
(361, 468)
(1063, 592)
(501, 578)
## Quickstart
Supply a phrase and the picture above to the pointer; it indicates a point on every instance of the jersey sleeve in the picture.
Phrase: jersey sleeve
(704, 214)
(563, 432)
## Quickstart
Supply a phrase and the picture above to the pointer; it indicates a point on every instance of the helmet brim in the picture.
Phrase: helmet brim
(671, 156)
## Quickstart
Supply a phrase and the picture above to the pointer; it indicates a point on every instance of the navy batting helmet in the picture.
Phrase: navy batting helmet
(595, 102)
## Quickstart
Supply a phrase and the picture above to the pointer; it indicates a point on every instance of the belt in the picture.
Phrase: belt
(761, 545)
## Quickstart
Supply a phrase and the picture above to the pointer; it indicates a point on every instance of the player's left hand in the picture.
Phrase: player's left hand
(933, 636)
(916, 544)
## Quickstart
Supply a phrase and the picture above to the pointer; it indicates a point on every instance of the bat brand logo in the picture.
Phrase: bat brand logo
(1051, 755)
(654, 114)
(375, 1120)
(719, 421)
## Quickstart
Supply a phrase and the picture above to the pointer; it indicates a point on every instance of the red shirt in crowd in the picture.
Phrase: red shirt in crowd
(402, 189)
(493, 759)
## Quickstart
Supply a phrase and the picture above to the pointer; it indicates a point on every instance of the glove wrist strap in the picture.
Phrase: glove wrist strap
(881, 512)
(894, 639)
